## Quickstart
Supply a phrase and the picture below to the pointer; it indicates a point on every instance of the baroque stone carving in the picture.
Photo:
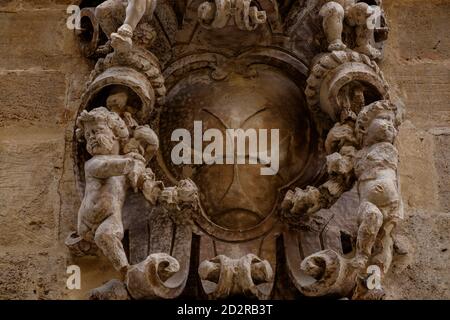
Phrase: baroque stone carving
(217, 14)
(307, 70)
(358, 14)
(119, 22)
(235, 276)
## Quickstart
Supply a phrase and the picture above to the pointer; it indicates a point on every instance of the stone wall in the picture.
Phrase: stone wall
(42, 75)
(418, 66)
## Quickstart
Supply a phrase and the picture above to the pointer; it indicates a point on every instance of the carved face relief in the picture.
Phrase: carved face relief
(381, 129)
(238, 197)
(117, 102)
(100, 139)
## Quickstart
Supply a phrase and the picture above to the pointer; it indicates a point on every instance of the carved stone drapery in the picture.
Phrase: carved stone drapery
(309, 70)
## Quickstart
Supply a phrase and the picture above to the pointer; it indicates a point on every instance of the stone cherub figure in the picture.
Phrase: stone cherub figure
(108, 176)
(142, 140)
(357, 14)
(378, 186)
(374, 166)
(119, 19)
(120, 151)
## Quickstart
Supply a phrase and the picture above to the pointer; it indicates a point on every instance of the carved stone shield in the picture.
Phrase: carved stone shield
(238, 202)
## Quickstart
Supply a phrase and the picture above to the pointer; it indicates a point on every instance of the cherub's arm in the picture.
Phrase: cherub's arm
(332, 190)
(312, 200)
(148, 139)
(340, 145)
(106, 167)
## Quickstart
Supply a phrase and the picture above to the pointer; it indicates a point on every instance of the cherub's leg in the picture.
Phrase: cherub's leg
(364, 17)
(385, 247)
(108, 238)
(84, 230)
(134, 13)
(110, 15)
(371, 220)
(333, 23)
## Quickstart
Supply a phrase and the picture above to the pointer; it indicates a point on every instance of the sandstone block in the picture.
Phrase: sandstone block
(32, 97)
(30, 169)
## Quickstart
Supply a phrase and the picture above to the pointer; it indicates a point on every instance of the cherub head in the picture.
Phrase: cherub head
(103, 130)
(376, 123)
(117, 100)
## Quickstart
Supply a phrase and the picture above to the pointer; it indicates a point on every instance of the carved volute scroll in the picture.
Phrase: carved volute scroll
(309, 72)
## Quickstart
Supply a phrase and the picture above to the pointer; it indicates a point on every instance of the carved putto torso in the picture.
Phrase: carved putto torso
(305, 77)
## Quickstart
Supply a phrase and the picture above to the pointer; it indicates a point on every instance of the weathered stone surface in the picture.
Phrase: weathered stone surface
(442, 164)
(419, 34)
(424, 88)
(417, 63)
(425, 273)
(32, 275)
(46, 29)
(32, 98)
(418, 174)
(30, 171)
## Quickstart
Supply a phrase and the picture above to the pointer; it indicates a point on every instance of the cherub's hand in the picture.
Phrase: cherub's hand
(137, 170)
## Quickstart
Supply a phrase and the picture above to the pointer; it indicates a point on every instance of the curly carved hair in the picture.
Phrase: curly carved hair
(101, 114)
(371, 112)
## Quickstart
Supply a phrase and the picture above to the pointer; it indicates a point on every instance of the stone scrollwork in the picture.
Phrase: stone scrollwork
(216, 14)
(226, 277)
(209, 62)
(149, 278)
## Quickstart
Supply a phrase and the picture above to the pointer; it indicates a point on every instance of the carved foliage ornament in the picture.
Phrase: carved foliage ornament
(308, 71)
